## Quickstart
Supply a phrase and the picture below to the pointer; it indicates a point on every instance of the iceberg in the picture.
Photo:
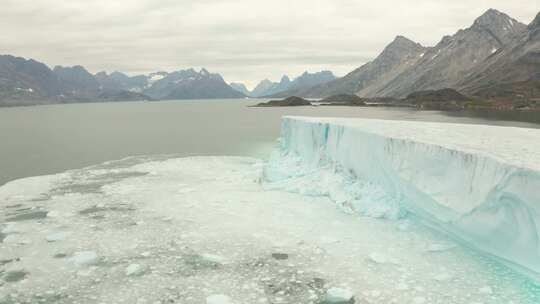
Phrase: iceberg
(478, 184)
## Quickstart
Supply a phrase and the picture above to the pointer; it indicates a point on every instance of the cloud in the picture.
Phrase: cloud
(245, 40)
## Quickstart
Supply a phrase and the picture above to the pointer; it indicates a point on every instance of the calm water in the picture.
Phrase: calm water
(50, 139)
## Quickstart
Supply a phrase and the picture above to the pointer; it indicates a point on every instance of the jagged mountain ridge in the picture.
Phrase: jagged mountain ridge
(517, 62)
(267, 87)
(495, 48)
(399, 54)
(76, 82)
(27, 81)
(22, 79)
(240, 87)
(286, 87)
(454, 57)
(190, 84)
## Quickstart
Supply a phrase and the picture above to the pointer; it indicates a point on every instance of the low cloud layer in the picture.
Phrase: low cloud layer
(244, 40)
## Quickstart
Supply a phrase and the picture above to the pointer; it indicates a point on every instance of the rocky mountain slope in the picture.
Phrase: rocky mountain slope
(27, 82)
(118, 80)
(395, 58)
(267, 87)
(239, 87)
(76, 83)
(454, 57)
(518, 61)
(286, 87)
(495, 49)
(190, 84)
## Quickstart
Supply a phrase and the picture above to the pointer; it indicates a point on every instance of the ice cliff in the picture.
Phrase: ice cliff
(478, 184)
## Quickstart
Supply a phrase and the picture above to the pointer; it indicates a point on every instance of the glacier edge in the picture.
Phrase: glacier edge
(464, 180)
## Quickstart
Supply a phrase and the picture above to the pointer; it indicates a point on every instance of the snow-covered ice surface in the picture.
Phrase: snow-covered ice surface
(204, 230)
(478, 184)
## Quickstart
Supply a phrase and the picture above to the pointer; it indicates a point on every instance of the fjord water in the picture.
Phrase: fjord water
(49, 139)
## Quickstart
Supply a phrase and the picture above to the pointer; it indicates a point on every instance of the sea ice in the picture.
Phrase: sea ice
(228, 236)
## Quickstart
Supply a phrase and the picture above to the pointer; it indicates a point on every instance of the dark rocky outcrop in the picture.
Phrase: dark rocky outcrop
(292, 101)
(344, 99)
(510, 96)
(444, 99)
(122, 95)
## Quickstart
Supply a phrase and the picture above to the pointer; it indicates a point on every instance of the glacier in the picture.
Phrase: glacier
(478, 184)
(159, 229)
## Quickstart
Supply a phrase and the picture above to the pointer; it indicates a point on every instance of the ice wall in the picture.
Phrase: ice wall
(479, 184)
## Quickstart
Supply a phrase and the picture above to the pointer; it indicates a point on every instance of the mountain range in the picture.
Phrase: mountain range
(495, 50)
(497, 57)
(286, 86)
(25, 82)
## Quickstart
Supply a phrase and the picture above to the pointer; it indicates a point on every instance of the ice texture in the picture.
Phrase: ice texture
(479, 184)
(198, 229)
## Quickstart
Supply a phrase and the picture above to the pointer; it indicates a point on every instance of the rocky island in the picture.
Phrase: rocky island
(292, 101)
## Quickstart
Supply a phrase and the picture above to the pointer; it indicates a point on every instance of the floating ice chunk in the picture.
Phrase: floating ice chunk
(185, 190)
(378, 258)
(82, 258)
(485, 290)
(213, 258)
(11, 228)
(402, 286)
(419, 300)
(134, 270)
(16, 239)
(55, 237)
(404, 226)
(440, 247)
(218, 299)
(329, 240)
(441, 277)
(59, 214)
(335, 295)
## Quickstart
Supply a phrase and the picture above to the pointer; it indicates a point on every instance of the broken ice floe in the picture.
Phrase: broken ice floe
(140, 240)
(335, 295)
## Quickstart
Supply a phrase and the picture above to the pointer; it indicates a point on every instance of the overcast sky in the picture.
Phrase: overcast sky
(244, 40)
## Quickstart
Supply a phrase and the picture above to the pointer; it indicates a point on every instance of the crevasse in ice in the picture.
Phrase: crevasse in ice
(479, 184)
